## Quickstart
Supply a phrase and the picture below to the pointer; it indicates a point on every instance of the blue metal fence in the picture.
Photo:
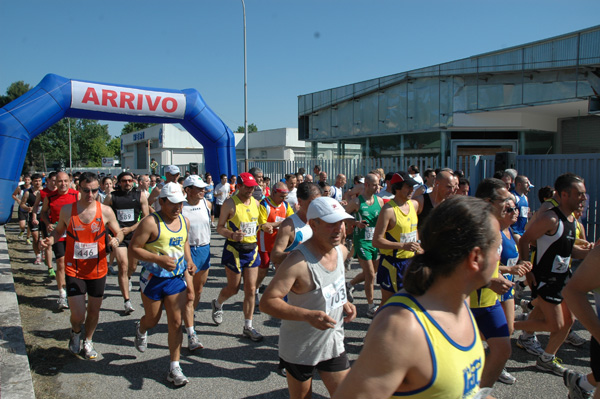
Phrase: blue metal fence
(542, 170)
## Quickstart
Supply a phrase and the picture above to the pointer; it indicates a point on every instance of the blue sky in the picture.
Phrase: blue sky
(294, 47)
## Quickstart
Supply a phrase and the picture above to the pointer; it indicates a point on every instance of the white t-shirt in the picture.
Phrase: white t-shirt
(221, 193)
(385, 194)
(292, 199)
(336, 193)
(199, 217)
(417, 178)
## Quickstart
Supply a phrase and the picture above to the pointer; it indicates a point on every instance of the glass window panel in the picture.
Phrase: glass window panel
(365, 115)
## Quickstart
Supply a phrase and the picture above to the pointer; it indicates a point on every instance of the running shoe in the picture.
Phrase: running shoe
(89, 352)
(217, 313)
(350, 292)
(62, 303)
(21, 234)
(111, 270)
(38, 260)
(524, 303)
(75, 342)
(141, 340)
(51, 273)
(28, 241)
(552, 366)
(570, 379)
(531, 345)
(506, 377)
(251, 333)
(194, 342)
(176, 377)
(371, 312)
(574, 339)
(128, 307)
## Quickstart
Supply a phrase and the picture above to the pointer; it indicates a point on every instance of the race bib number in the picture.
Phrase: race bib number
(125, 215)
(335, 295)
(524, 211)
(561, 264)
(369, 232)
(248, 228)
(408, 237)
(512, 261)
(84, 250)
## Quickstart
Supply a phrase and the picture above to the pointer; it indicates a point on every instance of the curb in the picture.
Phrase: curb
(15, 375)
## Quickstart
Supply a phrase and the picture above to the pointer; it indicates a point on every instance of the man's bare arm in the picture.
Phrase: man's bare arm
(282, 241)
(285, 280)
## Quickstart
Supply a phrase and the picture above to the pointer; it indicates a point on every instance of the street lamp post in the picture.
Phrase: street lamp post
(245, 92)
(70, 150)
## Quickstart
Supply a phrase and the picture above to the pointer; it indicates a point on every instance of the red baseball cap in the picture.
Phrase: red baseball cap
(248, 180)
(402, 177)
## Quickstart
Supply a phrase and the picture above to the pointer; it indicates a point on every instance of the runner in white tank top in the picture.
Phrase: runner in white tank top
(197, 210)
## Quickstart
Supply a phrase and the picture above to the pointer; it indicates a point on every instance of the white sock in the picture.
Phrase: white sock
(174, 364)
(248, 323)
(585, 384)
(190, 331)
(217, 304)
(63, 293)
(88, 341)
(546, 357)
(140, 332)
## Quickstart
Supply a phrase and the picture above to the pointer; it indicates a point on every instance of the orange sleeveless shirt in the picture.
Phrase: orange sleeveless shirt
(85, 255)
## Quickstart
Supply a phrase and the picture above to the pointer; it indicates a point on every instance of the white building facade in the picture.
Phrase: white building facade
(167, 144)
(173, 145)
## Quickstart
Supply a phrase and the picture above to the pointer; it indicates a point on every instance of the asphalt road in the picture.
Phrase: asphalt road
(231, 366)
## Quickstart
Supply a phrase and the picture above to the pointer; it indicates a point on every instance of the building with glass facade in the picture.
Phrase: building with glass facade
(536, 98)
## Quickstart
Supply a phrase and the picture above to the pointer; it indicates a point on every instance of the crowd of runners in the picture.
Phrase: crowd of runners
(443, 267)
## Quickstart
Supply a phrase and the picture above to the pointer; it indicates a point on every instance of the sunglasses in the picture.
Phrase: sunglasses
(126, 180)
(511, 209)
(90, 190)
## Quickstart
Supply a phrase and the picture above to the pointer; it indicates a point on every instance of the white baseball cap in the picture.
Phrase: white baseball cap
(194, 180)
(172, 192)
(327, 209)
(172, 169)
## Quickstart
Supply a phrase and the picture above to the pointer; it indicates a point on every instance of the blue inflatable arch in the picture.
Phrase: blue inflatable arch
(56, 97)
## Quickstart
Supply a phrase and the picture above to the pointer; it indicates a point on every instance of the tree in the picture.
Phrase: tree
(251, 128)
(50, 147)
(131, 127)
(14, 91)
(92, 139)
(114, 147)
